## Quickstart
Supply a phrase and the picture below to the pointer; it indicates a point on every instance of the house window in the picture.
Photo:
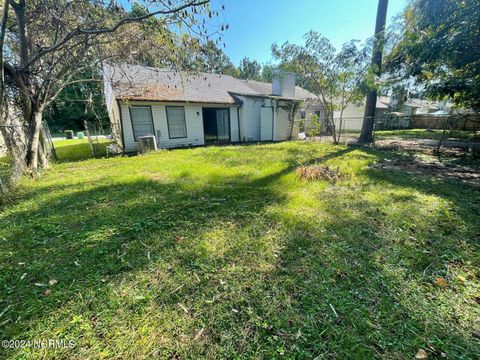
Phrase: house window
(142, 122)
(177, 128)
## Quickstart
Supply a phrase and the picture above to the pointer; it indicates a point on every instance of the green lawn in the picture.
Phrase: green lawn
(223, 252)
(5, 167)
(76, 149)
(425, 134)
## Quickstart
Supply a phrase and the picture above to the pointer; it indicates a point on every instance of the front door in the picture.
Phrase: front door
(216, 125)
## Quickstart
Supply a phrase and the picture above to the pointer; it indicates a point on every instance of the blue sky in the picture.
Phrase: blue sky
(256, 24)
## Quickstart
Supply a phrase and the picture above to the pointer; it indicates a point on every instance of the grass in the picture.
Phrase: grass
(5, 167)
(223, 252)
(79, 149)
(425, 134)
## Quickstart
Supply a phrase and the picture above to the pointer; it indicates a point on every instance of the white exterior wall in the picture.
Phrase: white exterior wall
(352, 118)
(193, 120)
(234, 121)
(283, 125)
(250, 119)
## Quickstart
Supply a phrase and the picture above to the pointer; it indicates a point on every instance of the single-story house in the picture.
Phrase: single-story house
(191, 109)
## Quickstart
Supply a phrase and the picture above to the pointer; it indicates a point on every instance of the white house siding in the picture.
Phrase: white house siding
(193, 119)
(282, 124)
(250, 118)
(234, 121)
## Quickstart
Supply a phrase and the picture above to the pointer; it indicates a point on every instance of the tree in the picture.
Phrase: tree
(336, 78)
(78, 103)
(439, 49)
(366, 135)
(206, 57)
(49, 42)
(249, 69)
(81, 102)
(268, 72)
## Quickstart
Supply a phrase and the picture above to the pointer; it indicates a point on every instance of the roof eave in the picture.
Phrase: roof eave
(268, 96)
(121, 98)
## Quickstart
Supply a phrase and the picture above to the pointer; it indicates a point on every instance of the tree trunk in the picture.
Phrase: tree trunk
(332, 128)
(33, 153)
(369, 117)
(340, 123)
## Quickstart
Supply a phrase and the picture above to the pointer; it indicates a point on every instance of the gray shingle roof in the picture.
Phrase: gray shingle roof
(135, 82)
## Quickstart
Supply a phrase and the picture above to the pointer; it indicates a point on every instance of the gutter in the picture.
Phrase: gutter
(238, 121)
(274, 119)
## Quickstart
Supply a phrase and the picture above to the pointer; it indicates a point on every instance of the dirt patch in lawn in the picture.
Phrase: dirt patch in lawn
(435, 169)
(450, 148)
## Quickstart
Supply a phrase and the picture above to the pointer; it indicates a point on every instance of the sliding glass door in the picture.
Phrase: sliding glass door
(216, 125)
(223, 125)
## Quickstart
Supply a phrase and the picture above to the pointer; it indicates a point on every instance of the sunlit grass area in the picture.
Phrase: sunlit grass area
(223, 252)
(79, 149)
(5, 167)
(427, 134)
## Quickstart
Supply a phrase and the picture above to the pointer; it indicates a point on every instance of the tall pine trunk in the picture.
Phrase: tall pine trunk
(370, 107)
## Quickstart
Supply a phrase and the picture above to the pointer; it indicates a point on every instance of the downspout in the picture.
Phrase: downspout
(238, 122)
(274, 118)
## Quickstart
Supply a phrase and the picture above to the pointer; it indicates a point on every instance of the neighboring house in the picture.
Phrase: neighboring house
(386, 106)
(185, 109)
(352, 116)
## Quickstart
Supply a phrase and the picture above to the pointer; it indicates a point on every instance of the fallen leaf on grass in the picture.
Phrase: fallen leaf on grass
(441, 282)
(47, 292)
(52, 282)
(183, 307)
(197, 336)
(178, 239)
(421, 354)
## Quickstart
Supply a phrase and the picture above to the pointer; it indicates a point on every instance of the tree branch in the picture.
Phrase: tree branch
(96, 32)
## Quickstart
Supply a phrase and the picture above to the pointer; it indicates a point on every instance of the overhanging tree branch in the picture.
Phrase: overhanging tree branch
(96, 32)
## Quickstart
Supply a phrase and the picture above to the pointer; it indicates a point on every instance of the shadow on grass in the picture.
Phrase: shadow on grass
(306, 287)
(84, 237)
(358, 291)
